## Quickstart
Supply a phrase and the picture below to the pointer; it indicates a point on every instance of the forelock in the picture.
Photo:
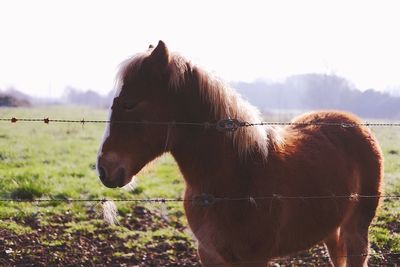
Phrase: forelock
(177, 68)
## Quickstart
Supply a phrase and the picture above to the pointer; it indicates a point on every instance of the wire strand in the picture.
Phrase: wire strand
(225, 122)
(203, 199)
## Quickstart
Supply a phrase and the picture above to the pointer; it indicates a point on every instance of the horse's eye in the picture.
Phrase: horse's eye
(128, 106)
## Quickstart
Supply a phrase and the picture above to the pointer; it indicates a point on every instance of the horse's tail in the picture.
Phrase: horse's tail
(354, 232)
(371, 174)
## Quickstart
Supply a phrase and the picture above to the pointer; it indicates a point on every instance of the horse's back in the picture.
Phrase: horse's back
(341, 137)
(347, 133)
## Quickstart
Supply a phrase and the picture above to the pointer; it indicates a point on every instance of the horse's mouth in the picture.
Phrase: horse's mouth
(111, 184)
(118, 180)
(118, 176)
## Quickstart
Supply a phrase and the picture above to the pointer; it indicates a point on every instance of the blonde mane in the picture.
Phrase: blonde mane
(223, 100)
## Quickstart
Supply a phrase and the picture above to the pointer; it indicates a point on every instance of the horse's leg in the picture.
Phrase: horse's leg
(355, 232)
(210, 259)
(336, 248)
(357, 246)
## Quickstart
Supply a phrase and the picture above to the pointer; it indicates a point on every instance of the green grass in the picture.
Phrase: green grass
(58, 160)
(15, 227)
(385, 232)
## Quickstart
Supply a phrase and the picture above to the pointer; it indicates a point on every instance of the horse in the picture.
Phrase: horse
(304, 181)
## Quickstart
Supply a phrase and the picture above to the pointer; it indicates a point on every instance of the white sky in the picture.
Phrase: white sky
(48, 45)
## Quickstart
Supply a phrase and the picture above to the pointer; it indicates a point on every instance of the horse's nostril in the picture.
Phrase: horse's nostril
(120, 175)
(113, 179)
(102, 173)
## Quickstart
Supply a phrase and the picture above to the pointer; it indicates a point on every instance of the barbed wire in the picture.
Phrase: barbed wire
(205, 199)
(229, 125)
(47, 120)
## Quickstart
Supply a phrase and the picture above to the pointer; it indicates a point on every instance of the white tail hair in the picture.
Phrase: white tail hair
(110, 212)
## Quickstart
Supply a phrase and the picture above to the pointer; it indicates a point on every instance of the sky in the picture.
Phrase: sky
(46, 46)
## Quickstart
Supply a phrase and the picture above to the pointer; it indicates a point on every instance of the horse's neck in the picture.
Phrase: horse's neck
(209, 163)
(208, 160)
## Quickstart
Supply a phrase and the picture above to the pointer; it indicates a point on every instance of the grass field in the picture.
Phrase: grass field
(58, 161)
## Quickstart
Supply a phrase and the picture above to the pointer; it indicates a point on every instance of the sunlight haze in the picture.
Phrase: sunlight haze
(46, 46)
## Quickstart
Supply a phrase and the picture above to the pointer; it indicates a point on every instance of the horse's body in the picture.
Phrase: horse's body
(311, 161)
(266, 165)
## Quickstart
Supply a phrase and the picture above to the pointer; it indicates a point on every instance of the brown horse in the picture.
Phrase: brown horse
(310, 158)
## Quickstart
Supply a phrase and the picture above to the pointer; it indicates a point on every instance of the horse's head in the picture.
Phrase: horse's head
(142, 96)
(158, 86)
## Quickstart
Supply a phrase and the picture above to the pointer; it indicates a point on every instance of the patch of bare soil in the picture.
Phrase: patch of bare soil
(51, 245)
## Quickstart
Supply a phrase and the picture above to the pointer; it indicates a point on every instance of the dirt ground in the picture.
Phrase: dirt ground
(52, 245)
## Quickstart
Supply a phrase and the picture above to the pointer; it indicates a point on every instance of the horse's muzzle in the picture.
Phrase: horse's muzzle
(112, 182)
(110, 175)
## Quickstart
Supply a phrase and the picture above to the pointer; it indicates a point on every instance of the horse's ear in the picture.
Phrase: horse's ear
(151, 46)
(160, 55)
